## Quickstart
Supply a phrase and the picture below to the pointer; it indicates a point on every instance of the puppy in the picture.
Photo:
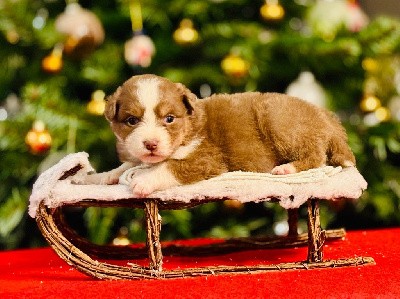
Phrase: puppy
(179, 139)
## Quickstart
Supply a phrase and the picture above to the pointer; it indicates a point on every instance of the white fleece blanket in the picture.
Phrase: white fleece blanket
(329, 183)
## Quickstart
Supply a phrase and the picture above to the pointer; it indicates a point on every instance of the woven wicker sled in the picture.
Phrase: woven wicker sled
(55, 190)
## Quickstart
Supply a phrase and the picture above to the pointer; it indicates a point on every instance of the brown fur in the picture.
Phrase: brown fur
(248, 131)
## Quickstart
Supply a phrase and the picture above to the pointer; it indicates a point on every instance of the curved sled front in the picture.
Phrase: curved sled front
(55, 189)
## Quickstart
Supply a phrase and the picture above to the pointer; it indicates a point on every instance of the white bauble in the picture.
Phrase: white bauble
(307, 88)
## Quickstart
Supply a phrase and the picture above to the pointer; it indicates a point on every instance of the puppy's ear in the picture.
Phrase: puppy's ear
(188, 98)
(112, 105)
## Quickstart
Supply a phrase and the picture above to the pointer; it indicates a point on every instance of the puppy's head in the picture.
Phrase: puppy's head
(151, 118)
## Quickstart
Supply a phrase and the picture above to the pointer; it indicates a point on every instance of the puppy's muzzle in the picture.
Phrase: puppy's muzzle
(151, 145)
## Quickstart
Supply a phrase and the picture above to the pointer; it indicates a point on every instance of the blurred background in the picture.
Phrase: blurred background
(58, 60)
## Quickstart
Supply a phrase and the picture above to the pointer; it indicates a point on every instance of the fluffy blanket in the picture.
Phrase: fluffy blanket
(329, 183)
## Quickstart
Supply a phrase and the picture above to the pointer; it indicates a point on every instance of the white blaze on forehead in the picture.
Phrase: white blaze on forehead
(148, 97)
(149, 129)
(148, 93)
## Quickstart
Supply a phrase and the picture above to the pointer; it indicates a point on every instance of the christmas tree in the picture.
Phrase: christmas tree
(59, 60)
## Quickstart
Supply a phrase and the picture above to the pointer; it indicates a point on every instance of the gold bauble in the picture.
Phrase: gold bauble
(233, 204)
(272, 10)
(12, 36)
(38, 138)
(370, 103)
(235, 66)
(53, 63)
(186, 34)
(370, 65)
(97, 104)
(122, 238)
(382, 114)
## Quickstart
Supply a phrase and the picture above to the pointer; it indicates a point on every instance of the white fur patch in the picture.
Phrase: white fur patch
(144, 181)
(148, 93)
(148, 96)
(185, 150)
(149, 129)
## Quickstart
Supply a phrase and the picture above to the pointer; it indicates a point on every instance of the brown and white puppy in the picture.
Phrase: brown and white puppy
(179, 139)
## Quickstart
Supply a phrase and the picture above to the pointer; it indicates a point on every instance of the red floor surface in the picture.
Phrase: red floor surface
(39, 273)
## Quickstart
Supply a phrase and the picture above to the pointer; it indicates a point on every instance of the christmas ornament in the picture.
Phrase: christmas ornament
(370, 65)
(307, 88)
(382, 114)
(122, 238)
(356, 19)
(53, 63)
(235, 66)
(233, 204)
(83, 29)
(38, 138)
(369, 103)
(272, 10)
(12, 36)
(97, 104)
(186, 34)
(139, 50)
(326, 17)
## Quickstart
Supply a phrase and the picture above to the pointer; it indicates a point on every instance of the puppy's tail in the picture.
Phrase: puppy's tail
(339, 152)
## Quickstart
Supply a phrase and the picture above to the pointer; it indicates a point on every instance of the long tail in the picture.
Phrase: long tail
(339, 152)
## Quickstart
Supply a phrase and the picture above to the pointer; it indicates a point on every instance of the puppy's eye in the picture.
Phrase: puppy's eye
(169, 119)
(132, 121)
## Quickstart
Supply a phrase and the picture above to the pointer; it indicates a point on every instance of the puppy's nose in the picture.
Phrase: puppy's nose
(151, 145)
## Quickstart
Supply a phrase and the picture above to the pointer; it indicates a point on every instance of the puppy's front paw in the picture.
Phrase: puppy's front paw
(141, 189)
(284, 169)
(143, 183)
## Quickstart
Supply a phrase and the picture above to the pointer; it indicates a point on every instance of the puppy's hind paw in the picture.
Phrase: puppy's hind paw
(348, 163)
(284, 169)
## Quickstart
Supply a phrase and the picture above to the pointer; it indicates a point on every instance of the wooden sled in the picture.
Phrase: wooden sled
(47, 202)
